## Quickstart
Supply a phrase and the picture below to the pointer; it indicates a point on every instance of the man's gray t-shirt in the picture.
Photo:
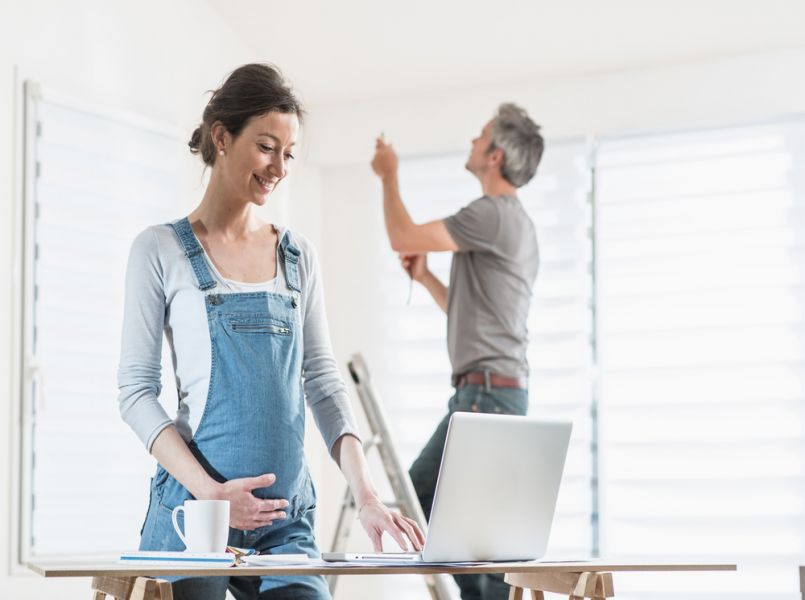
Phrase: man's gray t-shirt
(491, 281)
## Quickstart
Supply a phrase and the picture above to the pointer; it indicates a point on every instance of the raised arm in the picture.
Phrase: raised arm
(404, 234)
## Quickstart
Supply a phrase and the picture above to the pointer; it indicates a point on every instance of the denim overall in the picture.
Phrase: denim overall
(253, 423)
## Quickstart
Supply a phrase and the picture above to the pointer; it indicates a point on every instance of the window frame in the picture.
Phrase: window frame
(29, 92)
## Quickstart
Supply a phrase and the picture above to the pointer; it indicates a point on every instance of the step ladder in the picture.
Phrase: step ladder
(405, 499)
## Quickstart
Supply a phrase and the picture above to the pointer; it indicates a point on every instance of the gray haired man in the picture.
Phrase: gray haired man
(494, 267)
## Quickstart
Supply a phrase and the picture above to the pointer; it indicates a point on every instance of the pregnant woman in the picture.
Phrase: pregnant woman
(240, 302)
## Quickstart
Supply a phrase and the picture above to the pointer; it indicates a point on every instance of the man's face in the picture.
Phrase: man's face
(478, 161)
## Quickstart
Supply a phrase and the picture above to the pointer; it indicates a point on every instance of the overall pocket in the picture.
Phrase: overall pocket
(257, 324)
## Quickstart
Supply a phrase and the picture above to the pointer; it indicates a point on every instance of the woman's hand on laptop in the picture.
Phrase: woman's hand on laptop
(376, 519)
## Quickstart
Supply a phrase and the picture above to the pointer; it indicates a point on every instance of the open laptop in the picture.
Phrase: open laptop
(496, 492)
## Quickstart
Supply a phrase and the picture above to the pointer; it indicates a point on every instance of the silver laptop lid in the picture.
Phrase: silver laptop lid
(497, 488)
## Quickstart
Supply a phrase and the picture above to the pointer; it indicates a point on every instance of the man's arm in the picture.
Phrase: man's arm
(404, 234)
(437, 289)
(416, 265)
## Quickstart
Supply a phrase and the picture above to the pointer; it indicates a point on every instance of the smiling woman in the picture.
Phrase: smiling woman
(240, 303)
(251, 90)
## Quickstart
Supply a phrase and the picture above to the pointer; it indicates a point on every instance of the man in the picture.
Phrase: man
(494, 267)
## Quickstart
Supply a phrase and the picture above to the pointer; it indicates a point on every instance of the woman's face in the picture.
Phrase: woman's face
(257, 160)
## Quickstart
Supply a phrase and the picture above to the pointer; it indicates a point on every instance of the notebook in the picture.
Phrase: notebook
(149, 557)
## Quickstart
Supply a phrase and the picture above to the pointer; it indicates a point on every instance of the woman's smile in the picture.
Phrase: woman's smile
(266, 185)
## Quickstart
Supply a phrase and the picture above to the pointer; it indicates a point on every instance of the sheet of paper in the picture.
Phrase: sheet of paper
(273, 560)
(347, 564)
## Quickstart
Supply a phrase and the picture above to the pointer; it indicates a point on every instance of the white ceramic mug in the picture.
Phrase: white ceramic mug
(206, 525)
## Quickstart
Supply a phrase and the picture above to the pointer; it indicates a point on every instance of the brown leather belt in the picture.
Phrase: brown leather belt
(495, 380)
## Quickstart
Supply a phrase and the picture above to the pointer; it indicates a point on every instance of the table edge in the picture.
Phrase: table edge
(143, 571)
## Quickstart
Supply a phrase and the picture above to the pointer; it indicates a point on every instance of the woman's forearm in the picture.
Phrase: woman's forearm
(348, 454)
(172, 453)
(375, 517)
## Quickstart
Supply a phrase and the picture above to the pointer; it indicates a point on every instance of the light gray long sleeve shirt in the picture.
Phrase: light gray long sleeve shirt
(162, 295)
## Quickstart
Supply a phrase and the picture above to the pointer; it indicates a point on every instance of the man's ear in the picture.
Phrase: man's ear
(496, 157)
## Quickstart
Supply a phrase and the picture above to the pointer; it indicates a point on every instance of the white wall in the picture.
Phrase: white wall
(152, 58)
(724, 91)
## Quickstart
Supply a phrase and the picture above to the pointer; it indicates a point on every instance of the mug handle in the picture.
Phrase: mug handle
(174, 515)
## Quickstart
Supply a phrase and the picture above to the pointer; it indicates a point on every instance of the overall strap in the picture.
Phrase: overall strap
(194, 252)
(290, 262)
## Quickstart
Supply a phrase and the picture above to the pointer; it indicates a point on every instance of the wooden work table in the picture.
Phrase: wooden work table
(586, 579)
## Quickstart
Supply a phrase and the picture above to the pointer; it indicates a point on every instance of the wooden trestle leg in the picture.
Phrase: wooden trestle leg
(131, 588)
(595, 586)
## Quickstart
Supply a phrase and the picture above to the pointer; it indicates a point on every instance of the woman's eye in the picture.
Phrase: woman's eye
(265, 148)
(289, 156)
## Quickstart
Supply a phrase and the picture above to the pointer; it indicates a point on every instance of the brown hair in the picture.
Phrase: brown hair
(249, 91)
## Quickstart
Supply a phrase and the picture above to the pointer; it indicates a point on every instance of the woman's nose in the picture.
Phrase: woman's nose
(278, 167)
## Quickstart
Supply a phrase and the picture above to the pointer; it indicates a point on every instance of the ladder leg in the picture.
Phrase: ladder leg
(404, 494)
(342, 530)
(439, 587)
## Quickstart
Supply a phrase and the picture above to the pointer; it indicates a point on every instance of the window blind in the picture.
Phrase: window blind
(702, 329)
(100, 179)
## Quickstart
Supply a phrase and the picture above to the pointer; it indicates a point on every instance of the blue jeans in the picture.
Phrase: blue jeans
(425, 470)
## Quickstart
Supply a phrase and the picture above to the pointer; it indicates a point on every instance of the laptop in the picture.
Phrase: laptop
(496, 493)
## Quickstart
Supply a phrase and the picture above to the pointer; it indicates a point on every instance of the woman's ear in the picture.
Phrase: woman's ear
(220, 137)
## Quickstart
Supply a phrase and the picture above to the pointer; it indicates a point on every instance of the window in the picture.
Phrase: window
(685, 342)
(95, 181)
(701, 268)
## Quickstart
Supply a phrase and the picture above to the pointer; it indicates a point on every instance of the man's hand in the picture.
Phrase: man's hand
(415, 264)
(385, 162)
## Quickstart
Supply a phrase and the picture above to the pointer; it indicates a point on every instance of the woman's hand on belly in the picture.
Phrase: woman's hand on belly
(246, 511)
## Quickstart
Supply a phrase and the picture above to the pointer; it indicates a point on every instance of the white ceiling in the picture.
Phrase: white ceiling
(339, 50)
